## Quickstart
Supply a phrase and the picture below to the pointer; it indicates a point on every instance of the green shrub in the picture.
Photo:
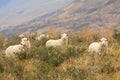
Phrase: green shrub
(55, 56)
(77, 74)
(1, 68)
(18, 72)
(107, 68)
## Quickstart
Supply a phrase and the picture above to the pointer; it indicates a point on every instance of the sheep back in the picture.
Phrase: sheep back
(11, 51)
(54, 43)
(94, 47)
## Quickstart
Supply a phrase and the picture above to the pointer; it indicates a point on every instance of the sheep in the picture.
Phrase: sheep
(32, 35)
(14, 50)
(59, 42)
(41, 36)
(21, 36)
(99, 47)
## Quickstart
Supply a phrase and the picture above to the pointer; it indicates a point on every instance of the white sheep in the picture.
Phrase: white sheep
(21, 36)
(99, 47)
(14, 50)
(41, 36)
(59, 42)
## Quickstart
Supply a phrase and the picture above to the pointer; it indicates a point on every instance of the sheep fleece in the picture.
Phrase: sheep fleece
(11, 51)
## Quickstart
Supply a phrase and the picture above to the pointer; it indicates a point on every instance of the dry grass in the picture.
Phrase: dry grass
(70, 63)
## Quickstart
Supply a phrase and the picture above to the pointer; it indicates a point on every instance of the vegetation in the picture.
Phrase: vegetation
(64, 63)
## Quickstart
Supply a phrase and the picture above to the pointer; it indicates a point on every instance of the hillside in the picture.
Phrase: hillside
(78, 14)
(72, 62)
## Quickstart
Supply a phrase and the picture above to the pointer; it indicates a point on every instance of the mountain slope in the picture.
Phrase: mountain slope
(17, 12)
(80, 13)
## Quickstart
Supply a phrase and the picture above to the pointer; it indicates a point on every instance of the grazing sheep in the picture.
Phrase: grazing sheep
(41, 36)
(14, 50)
(59, 42)
(99, 47)
(32, 35)
(21, 36)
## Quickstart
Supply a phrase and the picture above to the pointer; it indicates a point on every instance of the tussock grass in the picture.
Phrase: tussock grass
(64, 63)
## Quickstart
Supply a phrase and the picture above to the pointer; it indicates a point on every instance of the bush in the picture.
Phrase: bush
(107, 68)
(55, 56)
(18, 71)
(1, 68)
(77, 74)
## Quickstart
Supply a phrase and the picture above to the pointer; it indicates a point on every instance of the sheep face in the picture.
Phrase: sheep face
(103, 42)
(26, 42)
(64, 36)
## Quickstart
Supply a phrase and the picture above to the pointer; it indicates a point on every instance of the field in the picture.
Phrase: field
(73, 62)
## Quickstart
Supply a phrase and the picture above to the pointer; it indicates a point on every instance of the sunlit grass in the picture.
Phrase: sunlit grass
(63, 63)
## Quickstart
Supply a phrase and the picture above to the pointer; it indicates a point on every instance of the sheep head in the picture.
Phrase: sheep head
(64, 36)
(103, 42)
(26, 42)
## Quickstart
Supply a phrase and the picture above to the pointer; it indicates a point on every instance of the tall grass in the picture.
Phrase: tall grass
(64, 63)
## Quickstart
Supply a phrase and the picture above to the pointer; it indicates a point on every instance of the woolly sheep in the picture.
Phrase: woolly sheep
(99, 47)
(32, 35)
(21, 36)
(41, 36)
(13, 50)
(59, 42)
